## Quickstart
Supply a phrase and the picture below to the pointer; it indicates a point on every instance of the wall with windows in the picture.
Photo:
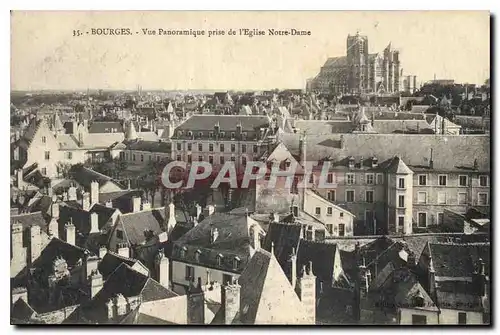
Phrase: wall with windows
(455, 317)
(407, 316)
(182, 271)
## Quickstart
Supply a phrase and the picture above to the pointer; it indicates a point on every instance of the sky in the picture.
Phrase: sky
(46, 56)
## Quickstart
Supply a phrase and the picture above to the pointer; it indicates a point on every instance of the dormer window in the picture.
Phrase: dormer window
(197, 255)
(179, 133)
(190, 133)
(374, 162)
(351, 162)
(183, 252)
(200, 134)
(232, 136)
(222, 134)
(218, 259)
(210, 134)
(236, 263)
(244, 135)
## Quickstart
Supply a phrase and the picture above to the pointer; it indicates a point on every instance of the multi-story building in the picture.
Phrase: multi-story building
(220, 138)
(359, 71)
(398, 183)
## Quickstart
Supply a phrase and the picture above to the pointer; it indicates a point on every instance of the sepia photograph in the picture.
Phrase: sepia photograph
(320, 168)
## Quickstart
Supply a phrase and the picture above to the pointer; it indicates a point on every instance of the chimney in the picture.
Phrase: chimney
(123, 250)
(342, 143)
(136, 204)
(411, 260)
(70, 231)
(109, 204)
(65, 196)
(361, 162)
(94, 193)
(275, 217)
(293, 269)
(162, 269)
(307, 293)
(18, 252)
(238, 130)
(146, 205)
(431, 162)
(475, 164)
(303, 153)
(214, 234)
(479, 278)
(94, 222)
(102, 252)
(170, 217)
(72, 194)
(196, 305)
(198, 211)
(96, 283)
(209, 210)
(231, 301)
(19, 178)
(86, 201)
(374, 162)
(53, 228)
(35, 242)
(255, 237)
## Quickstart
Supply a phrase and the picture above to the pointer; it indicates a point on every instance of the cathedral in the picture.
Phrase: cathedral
(360, 71)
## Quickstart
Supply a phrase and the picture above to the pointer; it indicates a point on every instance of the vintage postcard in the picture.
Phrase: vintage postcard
(250, 167)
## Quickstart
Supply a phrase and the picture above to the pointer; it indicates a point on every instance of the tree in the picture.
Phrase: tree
(63, 169)
(119, 166)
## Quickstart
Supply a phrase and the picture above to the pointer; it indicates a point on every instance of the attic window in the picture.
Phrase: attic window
(222, 134)
(351, 162)
(244, 135)
(183, 252)
(197, 255)
(236, 263)
(211, 134)
(190, 133)
(179, 133)
(232, 136)
(200, 134)
(218, 259)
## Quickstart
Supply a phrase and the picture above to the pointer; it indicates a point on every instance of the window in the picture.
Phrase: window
(441, 198)
(189, 159)
(483, 181)
(70, 155)
(119, 234)
(222, 134)
(233, 147)
(44, 139)
(189, 273)
(318, 211)
(210, 134)
(182, 252)
(178, 158)
(401, 201)
(442, 180)
(243, 148)
(200, 146)
(462, 318)
(190, 146)
(418, 319)
(482, 199)
(422, 180)
(329, 211)
(369, 196)
(255, 149)
(222, 147)
(221, 160)
(197, 255)
(380, 179)
(422, 219)
(44, 171)
(329, 178)
(401, 221)
(133, 157)
(350, 178)
(200, 134)
(349, 196)
(421, 197)
(232, 136)
(462, 180)
(341, 229)
(370, 179)
(329, 228)
(401, 183)
(341, 214)
(142, 158)
(244, 161)
(440, 218)
(236, 263)
(47, 155)
(179, 146)
(233, 159)
(462, 198)
(218, 259)
(200, 158)
(211, 159)
(244, 134)
(190, 133)
(331, 195)
(158, 158)
(211, 147)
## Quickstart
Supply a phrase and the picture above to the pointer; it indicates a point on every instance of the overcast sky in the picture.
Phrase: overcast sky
(45, 55)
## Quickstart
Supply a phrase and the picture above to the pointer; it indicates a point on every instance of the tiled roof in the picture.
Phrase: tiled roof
(134, 224)
(317, 127)
(414, 150)
(399, 126)
(106, 127)
(459, 260)
(111, 261)
(67, 142)
(84, 176)
(21, 310)
(29, 219)
(286, 238)
(102, 140)
(151, 146)
(226, 122)
(382, 113)
(397, 166)
(322, 256)
(30, 132)
(336, 62)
